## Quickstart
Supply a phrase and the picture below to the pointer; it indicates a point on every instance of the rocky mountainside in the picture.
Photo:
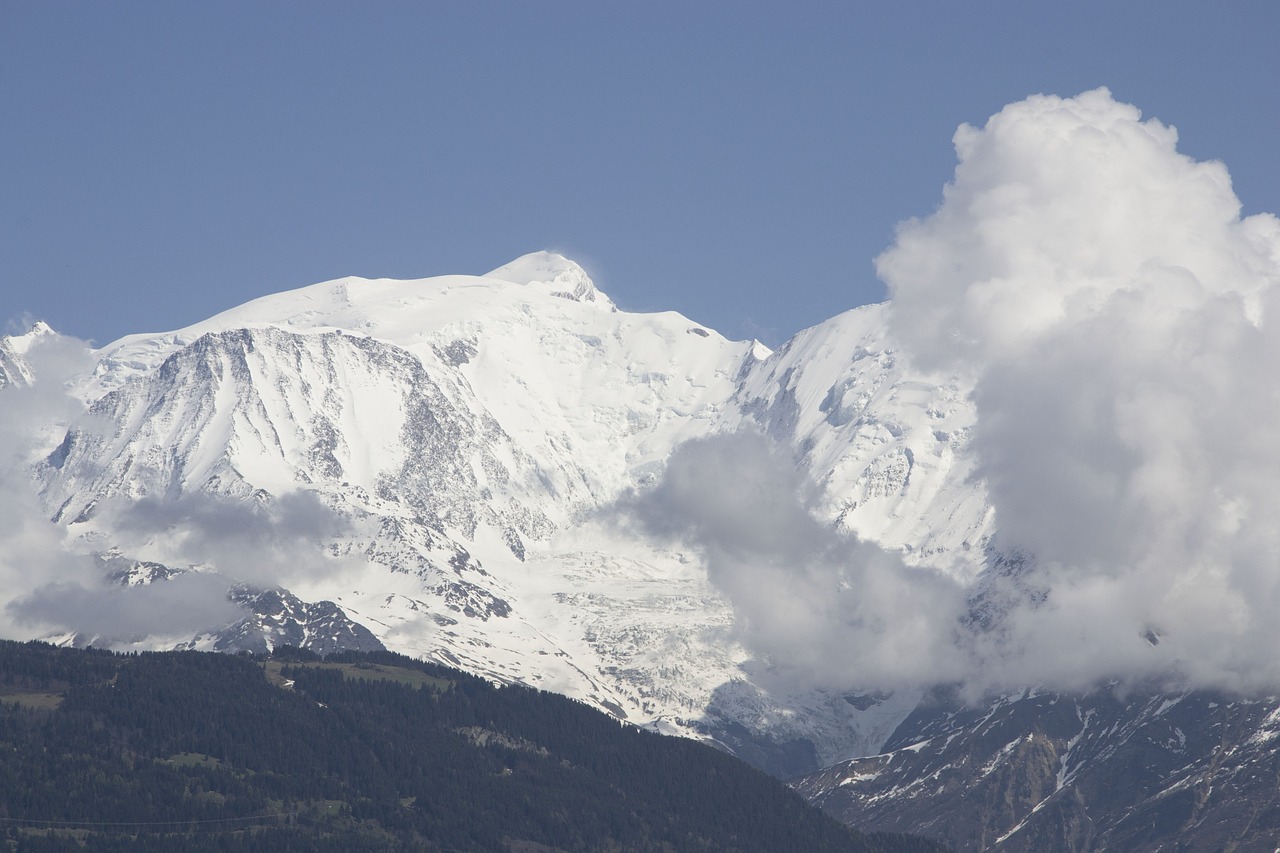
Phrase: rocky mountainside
(1039, 771)
(273, 617)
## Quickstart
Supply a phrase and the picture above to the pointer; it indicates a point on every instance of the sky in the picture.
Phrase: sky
(743, 163)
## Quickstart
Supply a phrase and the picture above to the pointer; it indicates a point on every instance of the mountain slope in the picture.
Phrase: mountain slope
(1042, 771)
(887, 444)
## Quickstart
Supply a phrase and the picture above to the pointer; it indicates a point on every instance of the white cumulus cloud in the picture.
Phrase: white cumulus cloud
(1121, 321)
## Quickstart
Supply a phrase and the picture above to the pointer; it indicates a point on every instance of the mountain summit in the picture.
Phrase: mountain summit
(555, 273)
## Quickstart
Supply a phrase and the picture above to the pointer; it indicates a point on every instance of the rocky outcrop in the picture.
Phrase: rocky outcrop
(1046, 772)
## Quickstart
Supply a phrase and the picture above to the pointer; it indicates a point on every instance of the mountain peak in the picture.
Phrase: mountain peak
(14, 368)
(22, 343)
(555, 273)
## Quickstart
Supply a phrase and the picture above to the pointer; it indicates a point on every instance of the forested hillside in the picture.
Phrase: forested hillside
(194, 751)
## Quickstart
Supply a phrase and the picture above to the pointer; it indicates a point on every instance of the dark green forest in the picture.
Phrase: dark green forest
(194, 751)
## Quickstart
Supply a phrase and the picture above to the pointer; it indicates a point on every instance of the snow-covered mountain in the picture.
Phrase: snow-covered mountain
(446, 468)
(448, 452)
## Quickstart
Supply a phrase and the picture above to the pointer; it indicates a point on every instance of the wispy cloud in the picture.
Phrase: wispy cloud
(269, 542)
(33, 550)
(818, 605)
(50, 584)
(183, 605)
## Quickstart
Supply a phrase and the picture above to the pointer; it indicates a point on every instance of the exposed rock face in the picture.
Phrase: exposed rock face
(1045, 772)
(273, 617)
(279, 618)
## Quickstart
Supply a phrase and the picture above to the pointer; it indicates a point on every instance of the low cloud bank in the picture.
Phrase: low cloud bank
(111, 615)
(33, 550)
(264, 543)
(819, 606)
(50, 585)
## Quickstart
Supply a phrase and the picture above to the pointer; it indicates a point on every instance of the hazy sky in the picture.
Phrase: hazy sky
(742, 163)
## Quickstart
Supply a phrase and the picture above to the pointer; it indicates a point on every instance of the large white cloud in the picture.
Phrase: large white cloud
(1120, 320)
(1058, 206)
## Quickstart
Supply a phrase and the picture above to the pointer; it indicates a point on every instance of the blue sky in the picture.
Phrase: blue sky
(741, 163)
